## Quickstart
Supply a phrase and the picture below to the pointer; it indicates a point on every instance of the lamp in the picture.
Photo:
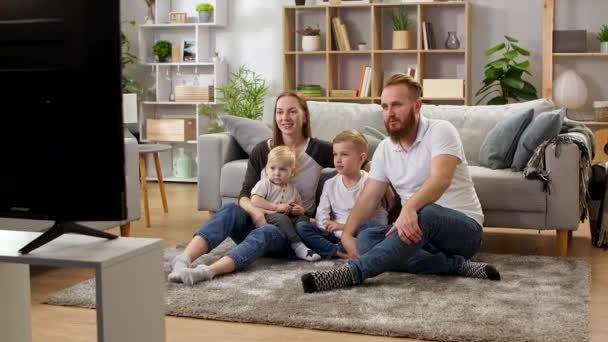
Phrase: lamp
(129, 108)
(569, 90)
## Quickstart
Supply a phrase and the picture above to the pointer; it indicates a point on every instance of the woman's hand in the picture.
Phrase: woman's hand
(407, 226)
(296, 209)
(258, 216)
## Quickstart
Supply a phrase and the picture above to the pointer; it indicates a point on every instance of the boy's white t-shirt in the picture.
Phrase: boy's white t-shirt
(407, 171)
(337, 201)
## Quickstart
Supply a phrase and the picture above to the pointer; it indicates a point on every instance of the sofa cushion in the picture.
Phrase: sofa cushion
(507, 190)
(544, 127)
(499, 146)
(233, 175)
(247, 132)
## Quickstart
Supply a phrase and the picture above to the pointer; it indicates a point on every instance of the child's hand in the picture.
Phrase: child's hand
(284, 208)
(333, 226)
(296, 209)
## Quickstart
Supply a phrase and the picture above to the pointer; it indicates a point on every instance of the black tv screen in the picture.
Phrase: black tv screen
(60, 98)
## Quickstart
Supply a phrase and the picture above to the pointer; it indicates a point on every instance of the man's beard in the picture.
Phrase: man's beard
(406, 127)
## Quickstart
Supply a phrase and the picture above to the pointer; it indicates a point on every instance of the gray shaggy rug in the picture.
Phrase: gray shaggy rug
(539, 299)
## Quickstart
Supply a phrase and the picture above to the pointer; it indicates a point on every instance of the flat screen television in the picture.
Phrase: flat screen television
(60, 98)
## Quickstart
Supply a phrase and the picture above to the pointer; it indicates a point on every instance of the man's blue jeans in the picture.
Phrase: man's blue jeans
(234, 222)
(449, 237)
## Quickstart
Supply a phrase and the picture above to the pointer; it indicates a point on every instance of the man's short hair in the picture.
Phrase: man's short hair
(353, 136)
(412, 85)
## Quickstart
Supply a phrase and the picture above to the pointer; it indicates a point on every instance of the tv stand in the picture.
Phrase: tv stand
(60, 228)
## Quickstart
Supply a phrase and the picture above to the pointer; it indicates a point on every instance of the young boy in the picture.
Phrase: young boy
(340, 194)
(276, 194)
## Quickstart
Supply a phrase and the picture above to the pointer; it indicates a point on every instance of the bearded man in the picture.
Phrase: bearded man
(440, 224)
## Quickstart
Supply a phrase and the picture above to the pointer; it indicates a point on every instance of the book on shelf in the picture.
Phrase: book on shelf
(361, 79)
(428, 36)
(345, 36)
(309, 90)
(336, 29)
(367, 80)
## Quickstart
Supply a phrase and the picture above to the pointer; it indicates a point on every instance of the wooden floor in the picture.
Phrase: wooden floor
(62, 324)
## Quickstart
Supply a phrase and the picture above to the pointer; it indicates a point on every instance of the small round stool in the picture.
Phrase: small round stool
(154, 149)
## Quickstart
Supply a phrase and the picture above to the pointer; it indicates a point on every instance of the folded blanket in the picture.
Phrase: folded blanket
(584, 139)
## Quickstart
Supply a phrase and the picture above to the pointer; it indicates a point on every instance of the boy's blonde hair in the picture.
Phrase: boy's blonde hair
(284, 154)
(353, 136)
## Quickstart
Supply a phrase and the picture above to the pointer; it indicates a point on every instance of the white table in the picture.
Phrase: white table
(128, 278)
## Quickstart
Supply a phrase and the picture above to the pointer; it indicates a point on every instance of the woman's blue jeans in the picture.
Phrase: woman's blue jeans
(234, 222)
(449, 237)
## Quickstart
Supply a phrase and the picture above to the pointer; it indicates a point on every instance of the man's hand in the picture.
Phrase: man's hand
(296, 209)
(333, 226)
(350, 245)
(407, 226)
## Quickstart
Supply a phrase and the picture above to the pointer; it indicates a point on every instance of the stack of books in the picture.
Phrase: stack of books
(309, 90)
(340, 35)
(365, 82)
(428, 36)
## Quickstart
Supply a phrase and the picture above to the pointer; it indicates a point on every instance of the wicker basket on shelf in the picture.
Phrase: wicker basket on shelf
(601, 110)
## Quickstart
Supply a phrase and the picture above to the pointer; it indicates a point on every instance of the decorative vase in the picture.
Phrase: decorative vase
(311, 43)
(402, 40)
(362, 46)
(569, 90)
(452, 42)
(204, 17)
(183, 165)
(300, 2)
(604, 47)
(150, 16)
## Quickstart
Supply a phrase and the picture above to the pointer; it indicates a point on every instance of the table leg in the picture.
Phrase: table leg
(15, 303)
(144, 187)
(130, 299)
(161, 184)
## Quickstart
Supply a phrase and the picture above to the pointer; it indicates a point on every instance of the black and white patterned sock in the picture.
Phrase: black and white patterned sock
(344, 276)
(478, 270)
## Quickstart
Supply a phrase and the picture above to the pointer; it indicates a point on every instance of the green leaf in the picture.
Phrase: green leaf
(514, 73)
(486, 95)
(529, 88)
(494, 49)
(493, 74)
(521, 51)
(511, 39)
(513, 83)
(524, 95)
(486, 87)
(499, 64)
(498, 100)
(511, 55)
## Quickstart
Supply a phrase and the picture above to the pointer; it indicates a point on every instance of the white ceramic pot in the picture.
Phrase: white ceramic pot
(311, 43)
(204, 17)
(604, 47)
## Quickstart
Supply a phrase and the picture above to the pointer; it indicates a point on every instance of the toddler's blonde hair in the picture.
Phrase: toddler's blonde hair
(284, 154)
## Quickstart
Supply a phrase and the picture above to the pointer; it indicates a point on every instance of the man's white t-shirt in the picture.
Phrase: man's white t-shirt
(407, 171)
(337, 201)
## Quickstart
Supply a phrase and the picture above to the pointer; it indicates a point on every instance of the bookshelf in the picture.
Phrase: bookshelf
(371, 23)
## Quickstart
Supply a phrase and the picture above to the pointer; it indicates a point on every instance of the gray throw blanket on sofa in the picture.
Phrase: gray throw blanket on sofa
(536, 167)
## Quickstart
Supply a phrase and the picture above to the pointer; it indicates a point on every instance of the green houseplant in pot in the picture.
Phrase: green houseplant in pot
(602, 36)
(208, 111)
(503, 77)
(162, 49)
(130, 87)
(402, 36)
(204, 12)
(243, 94)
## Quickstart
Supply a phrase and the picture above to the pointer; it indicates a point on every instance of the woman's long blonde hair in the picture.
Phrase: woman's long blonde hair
(277, 136)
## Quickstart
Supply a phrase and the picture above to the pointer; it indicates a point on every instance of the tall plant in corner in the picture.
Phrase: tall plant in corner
(129, 85)
(243, 94)
(503, 77)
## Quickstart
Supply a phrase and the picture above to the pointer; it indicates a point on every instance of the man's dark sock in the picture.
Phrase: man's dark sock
(344, 276)
(478, 270)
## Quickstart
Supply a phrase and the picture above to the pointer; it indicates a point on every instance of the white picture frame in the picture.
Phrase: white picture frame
(188, 50)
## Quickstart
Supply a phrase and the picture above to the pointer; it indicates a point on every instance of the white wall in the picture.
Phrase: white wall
(254, 36)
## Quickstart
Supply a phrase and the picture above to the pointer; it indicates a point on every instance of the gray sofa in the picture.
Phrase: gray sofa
(133, 207)
(507, 198)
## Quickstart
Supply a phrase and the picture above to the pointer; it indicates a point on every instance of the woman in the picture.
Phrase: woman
(245, 223)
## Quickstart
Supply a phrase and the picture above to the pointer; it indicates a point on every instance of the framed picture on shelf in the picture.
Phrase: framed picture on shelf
(189, 50)
(178, 17)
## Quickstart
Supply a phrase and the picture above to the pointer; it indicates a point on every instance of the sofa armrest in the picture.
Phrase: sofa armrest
(214, 150)
(563, 201)
(132, 175)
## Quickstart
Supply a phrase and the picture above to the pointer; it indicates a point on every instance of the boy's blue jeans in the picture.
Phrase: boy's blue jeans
(449, 237)
(234, 222)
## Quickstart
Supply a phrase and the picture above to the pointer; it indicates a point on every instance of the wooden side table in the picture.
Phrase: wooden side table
(154, 149)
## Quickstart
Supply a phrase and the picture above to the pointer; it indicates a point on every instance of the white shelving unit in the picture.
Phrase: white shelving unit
(158, 102)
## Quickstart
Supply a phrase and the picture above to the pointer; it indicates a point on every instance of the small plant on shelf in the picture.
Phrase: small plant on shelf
(311, 38)
(162, 49)
(402, 36)
(503, 77)
(243, 94)
(204, 12)
(602, 36)
(309, 31)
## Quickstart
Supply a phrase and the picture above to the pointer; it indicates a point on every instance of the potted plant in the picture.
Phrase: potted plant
(204, 12)
(602, 36)
(216, 57)
(503, 77)
(402, 36)
(130, 87)
(311, 39)
(215, 124)
(162, 49)
(243, 94)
